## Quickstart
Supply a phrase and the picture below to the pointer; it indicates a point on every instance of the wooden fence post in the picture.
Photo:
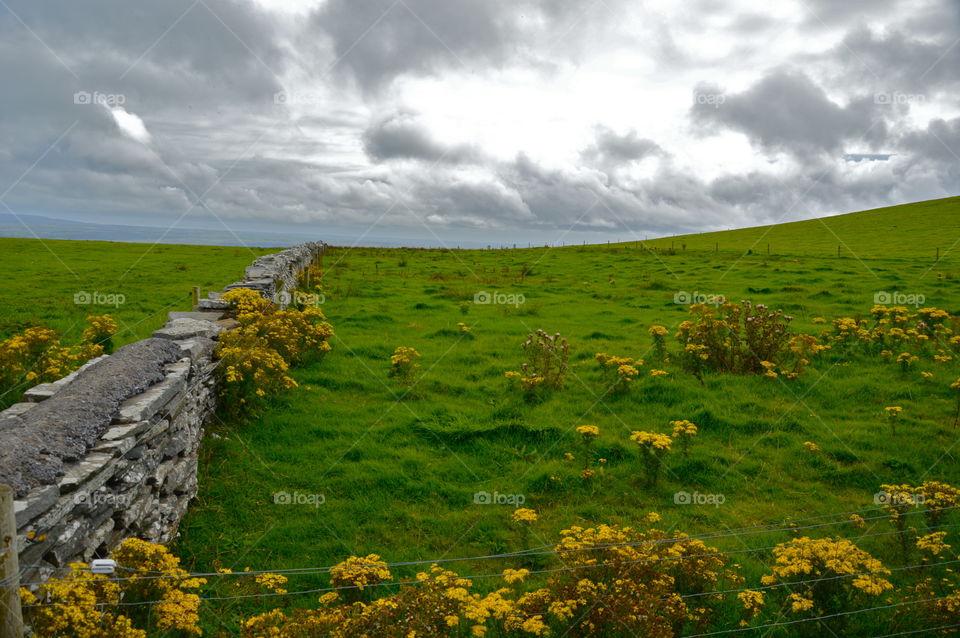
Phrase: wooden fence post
(11, 619)
(196, 295)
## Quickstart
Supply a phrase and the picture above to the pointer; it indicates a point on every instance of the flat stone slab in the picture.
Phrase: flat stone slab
(119, 432)
(199, 347)
(144, 406)
(229, 323)
(180, 329)
(44, 391)
(38, 502)
(83, 471)
(213, 304)
(199, 315)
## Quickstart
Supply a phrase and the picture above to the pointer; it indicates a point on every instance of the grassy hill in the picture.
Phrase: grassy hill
(908, 230)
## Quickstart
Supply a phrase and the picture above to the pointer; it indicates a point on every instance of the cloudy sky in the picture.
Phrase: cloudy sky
(492, 120)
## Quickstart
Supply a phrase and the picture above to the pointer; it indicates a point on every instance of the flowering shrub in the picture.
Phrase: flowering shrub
(619, 371)
(100, 331)
(403, 364)
(735, 337)
(683, 432)
(360, 572)
(256, 356)
(84, 604)
(547, 362)
(653, 448)
(659, 335)
(36, 355)
(897, 329)
(820, 562)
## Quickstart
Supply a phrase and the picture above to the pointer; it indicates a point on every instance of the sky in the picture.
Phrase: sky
(540, 121)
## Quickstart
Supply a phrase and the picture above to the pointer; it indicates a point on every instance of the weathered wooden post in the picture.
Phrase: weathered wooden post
(196, 295)
(11, 618)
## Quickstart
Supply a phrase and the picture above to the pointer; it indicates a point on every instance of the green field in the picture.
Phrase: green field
(43, 276)
(398, 467)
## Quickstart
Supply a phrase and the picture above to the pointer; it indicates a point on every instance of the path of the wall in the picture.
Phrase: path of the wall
(110, 451)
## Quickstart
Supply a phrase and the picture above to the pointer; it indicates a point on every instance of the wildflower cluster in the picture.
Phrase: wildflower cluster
(37, 355)
(620, 372)
(659, 335)
(100, 331)
(360, 572)
(818, 562)
(403, 364)
(256, 356)
(86, 605)
(653, 448)
(683, 432)
(925, 333)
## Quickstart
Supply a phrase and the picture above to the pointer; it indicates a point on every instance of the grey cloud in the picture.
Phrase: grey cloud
(403, 136)
(898, 68)
(785, 111)
(827, 13)
(868, 157)
(611, 150)
(375, 41)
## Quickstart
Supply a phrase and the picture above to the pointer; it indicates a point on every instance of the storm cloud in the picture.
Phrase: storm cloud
(537, 119)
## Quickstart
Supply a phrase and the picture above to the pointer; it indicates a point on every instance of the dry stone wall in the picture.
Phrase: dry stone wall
(110, 451)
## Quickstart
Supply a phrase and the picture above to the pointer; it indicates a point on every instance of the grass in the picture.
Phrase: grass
(908, 231)
(41, 278)
(398, 467)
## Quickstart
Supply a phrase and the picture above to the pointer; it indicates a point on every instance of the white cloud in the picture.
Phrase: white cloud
(130, 124)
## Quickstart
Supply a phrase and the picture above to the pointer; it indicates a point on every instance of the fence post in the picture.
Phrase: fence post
(196, 295)
(11, 619)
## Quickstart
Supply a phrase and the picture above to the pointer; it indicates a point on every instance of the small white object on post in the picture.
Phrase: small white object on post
(103, 566)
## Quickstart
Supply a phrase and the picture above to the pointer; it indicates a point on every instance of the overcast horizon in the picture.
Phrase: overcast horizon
(469, 122)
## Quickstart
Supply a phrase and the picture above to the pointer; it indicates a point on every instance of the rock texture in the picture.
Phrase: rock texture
(110, 451)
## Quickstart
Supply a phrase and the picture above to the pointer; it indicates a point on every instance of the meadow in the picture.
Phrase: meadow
(137, 284)
(457, 463)
(355, 462)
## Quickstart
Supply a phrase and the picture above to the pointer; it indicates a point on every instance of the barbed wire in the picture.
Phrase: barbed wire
(500, 574)
(817, 618)
(306, 571)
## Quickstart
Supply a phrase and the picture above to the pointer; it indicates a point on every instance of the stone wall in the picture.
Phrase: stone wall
(110, 451)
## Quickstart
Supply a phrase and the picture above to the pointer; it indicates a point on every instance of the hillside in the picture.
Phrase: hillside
(908, 230)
